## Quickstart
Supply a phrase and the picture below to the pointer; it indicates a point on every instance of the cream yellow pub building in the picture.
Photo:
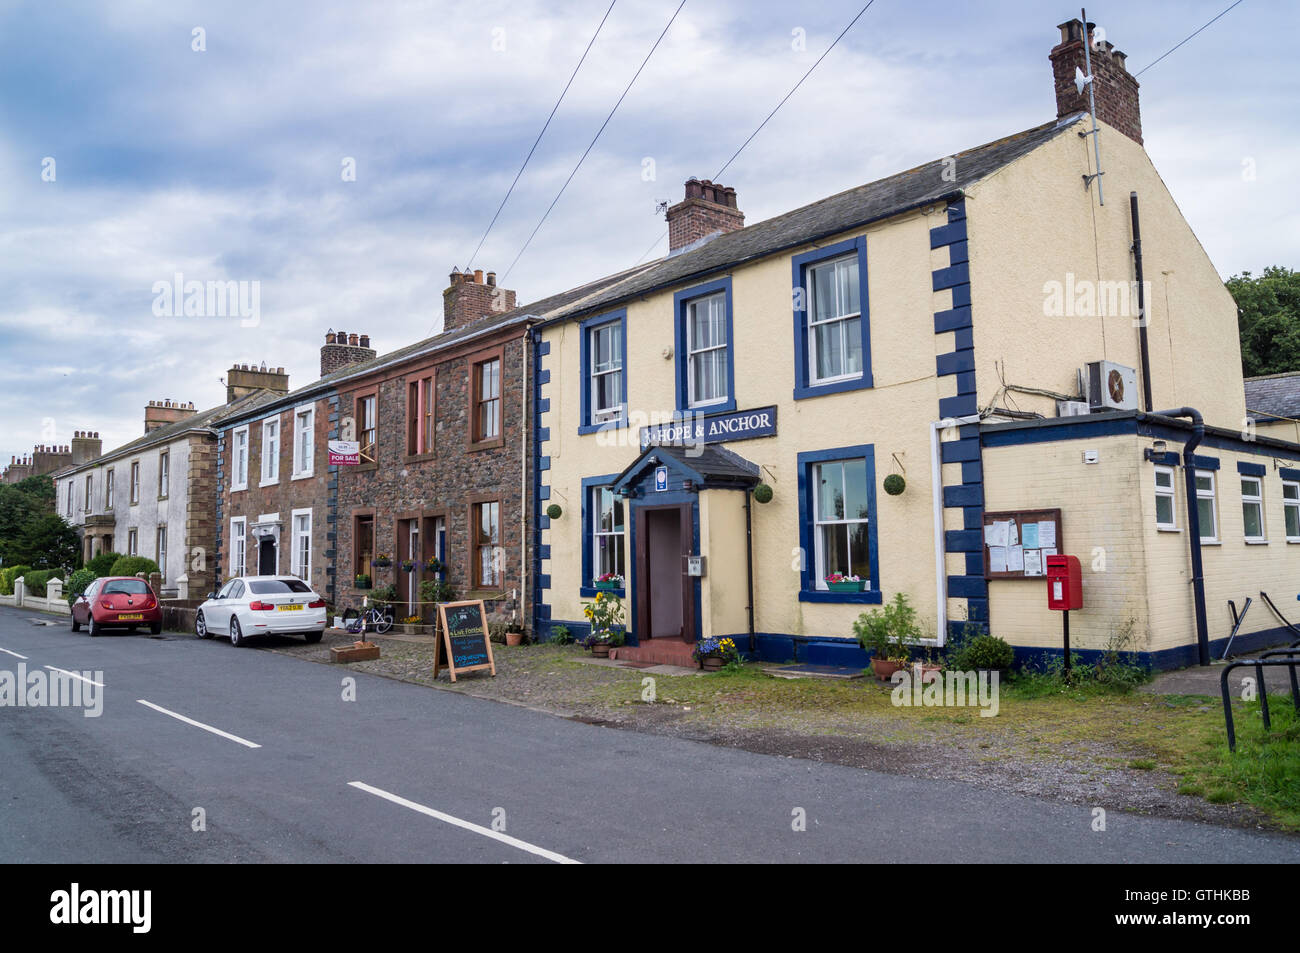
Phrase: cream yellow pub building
(974, 326)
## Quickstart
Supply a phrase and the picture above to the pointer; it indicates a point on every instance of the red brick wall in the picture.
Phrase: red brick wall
(1115, 89)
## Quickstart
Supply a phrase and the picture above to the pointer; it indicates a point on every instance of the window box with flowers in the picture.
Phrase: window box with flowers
(838, 582)
(610, 582)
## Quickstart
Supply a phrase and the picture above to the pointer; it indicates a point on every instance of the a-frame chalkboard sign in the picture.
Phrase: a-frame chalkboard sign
(464, 645)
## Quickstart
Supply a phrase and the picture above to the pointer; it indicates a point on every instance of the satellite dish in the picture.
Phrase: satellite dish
(1080, 81)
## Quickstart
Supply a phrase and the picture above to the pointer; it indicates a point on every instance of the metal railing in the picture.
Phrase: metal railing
(1268, 659)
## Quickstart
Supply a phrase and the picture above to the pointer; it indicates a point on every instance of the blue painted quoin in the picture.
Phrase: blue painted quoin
(968, 495)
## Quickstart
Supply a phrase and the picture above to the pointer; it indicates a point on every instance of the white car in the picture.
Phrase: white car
(261, 605)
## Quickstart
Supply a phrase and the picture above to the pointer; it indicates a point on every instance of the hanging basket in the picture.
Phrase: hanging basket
(554, 511)
(763, 493)
(895, 484)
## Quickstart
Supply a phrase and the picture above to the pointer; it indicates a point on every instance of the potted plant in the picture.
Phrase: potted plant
(382, 561)
(889, 634)
(409, 565)
(838, 582)
(362, 581)
(609, 582)
(514, 634)
(605, 614)
(713, 653)
(434, 566)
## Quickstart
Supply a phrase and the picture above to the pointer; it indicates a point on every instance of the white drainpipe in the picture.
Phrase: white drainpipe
(936, 492)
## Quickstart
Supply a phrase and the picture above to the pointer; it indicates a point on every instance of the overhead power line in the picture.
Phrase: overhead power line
(546, 125)
(1180, 43)
(592, 144)
(774, 111)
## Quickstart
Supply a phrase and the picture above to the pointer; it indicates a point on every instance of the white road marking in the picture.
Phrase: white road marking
(14, 654)
(75, 675)
(198, 724)
(466, 825)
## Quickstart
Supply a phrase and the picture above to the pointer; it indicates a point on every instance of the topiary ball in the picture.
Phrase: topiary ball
(554, 511)
(894, 484)
(763, 493)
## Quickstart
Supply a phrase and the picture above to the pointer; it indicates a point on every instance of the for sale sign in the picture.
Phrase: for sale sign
(344, 453)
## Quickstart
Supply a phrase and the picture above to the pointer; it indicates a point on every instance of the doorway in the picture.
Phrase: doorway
(268, 560)
(665, 607)
(413, 577)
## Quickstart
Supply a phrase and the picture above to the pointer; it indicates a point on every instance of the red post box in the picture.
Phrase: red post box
(1064, 583)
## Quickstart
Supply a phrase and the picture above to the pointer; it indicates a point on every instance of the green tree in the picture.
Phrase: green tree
(21, 504)
(1268, 320)
(47, 542)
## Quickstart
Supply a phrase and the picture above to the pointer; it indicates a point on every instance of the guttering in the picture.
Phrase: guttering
(749, 565)
(1194, 523)
(525, 458)
(696, 276)
(936, 494)
(1142, 307)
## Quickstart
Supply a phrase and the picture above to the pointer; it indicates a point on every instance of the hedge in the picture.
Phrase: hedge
(102, 565)
(130, 565)
(77, 584)
(34, 582)
(7, 577)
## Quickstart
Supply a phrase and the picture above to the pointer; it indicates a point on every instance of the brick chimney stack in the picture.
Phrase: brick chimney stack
(243, 379)
(86, 446)
(1114, 88)
(470, 297)
(708, 210)
(160, 413)
(342, 349)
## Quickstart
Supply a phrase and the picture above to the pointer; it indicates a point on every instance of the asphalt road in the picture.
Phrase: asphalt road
(320, 784)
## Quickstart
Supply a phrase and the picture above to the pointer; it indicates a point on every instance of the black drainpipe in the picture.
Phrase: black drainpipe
(1142, 308)
(749, 564)
(1194, 524)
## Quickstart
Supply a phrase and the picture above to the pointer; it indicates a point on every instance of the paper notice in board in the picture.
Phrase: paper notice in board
(1033, 562)
(1046, 533)
(997, 559)
(1013, 538)
(1016, 559)
(1048, 551)
(995, 534)
(1030, 539)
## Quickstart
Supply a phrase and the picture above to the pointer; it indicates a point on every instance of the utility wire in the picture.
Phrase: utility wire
(769, 116)
(1167, 52)
(592, 144)
(540, 134)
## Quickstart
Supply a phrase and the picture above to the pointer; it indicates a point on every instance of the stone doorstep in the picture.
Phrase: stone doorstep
(652, 669)
(812, 671)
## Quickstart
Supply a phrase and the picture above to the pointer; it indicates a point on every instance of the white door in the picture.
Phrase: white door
(413, 577)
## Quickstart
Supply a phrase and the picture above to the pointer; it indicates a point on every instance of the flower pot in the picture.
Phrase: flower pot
(514, 638)
(363, 585)
(884, 668)
(606, 587)
(711, 663)
(600, 650)
(852, 586)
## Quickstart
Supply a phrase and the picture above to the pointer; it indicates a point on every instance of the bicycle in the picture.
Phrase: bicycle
(375, 618)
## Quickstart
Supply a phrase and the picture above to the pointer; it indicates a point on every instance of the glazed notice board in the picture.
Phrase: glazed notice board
(464, 645)
(1018, 542)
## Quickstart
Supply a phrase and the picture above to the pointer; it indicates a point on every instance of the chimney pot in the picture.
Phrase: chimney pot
(365, 340)
(492, 278)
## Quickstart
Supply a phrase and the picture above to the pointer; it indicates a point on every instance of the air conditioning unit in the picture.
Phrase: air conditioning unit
(1111, 386)
(1072, 408)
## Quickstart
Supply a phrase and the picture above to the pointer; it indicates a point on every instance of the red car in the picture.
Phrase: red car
(116, 602)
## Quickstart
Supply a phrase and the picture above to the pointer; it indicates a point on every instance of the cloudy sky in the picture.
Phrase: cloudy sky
(227, 163)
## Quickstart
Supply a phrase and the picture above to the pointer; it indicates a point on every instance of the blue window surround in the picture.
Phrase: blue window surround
(808, 591)
(802, 376)
(589, 534)
(1251, 469)
(584, 422)
(680, 300)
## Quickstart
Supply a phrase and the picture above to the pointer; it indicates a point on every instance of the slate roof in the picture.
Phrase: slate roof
(1273, 395)
(710, 464)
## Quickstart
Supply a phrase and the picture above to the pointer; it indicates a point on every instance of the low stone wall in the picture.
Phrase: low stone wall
(52, 601)
(179, 616)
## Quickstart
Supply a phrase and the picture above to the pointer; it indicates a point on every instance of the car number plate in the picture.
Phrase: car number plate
(130, 616)
(289, 607)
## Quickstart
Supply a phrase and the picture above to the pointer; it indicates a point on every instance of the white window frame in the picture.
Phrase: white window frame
(164, 474)
(1214, 505)
(693, 352)
(160, 544)
(133, 542)
(299, 567)
(1171, 493)
(135, 482)
(270, 451)
(90, 491)
(819, 554)
(1291, 503)
(601, 415)
(304, 458)
(239, 459)
(72, 493)
(597, 533)
(238, 546)
(1257, 500)
(108, 488)
(842, 319)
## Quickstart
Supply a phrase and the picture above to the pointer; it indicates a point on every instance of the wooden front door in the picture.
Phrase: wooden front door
(665, 603)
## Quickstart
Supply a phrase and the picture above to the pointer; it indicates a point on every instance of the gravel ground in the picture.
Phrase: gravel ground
(1085, 767)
